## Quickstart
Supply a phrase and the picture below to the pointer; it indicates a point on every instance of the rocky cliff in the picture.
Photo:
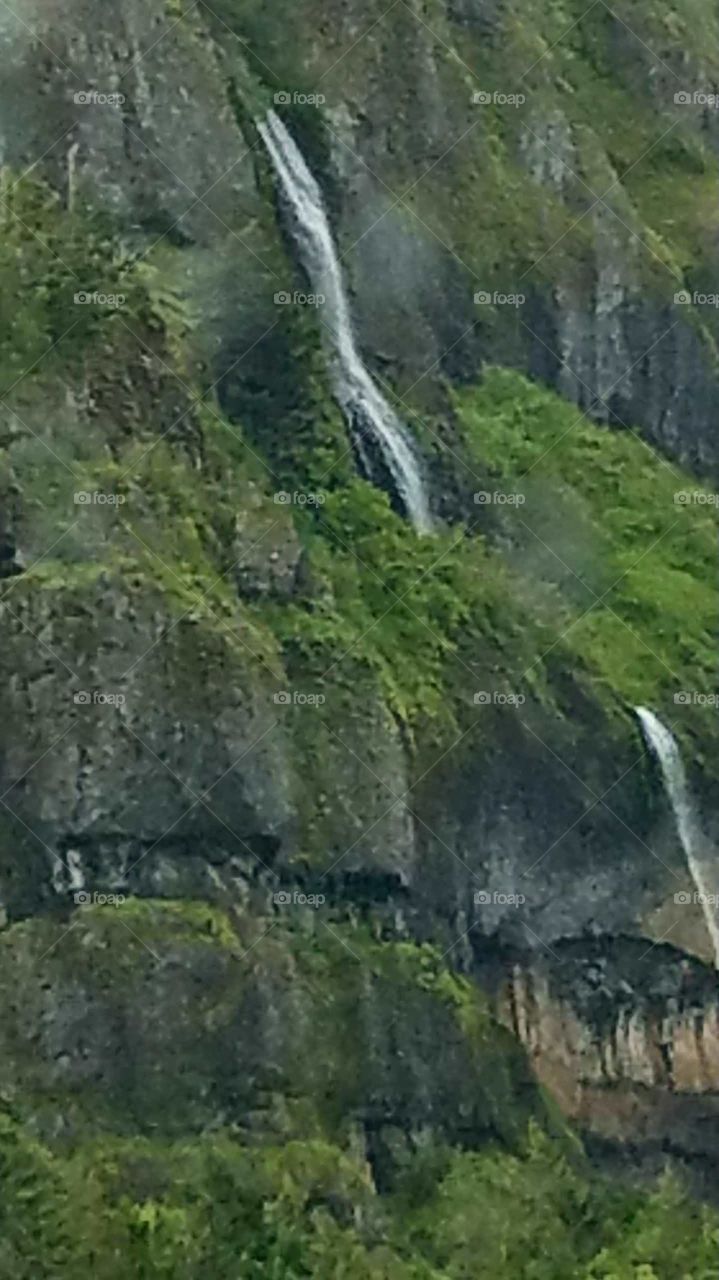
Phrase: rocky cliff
(230, 670)
(485, 167)
(625, 1037)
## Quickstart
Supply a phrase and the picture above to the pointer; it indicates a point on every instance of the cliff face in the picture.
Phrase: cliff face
(175, 1018)
(210, 693)
(596, 217)
(626, 1038)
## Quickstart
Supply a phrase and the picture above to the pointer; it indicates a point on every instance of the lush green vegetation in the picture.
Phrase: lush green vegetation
(598, 570)
(616, 552)
(599, 573)
(186, 1194)
(598, 578)
(213, 1208)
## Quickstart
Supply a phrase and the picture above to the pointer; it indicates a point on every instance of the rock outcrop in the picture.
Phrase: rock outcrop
(626, 1038)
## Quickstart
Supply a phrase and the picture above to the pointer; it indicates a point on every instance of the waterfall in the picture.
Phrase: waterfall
(368, 415)
(703, 873)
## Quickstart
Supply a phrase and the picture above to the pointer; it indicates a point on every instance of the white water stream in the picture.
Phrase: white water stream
(368, 415)
(704, 876)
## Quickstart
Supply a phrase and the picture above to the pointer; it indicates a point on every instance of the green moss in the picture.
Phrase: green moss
(212, 1013)
(172, 922)
(385, 592)
(628, 571)
(601, 573)
(48, 256)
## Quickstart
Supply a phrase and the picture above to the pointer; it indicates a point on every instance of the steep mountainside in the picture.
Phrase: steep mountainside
(377, 806)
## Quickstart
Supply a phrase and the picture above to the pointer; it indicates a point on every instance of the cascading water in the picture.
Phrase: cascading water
(704, 874)
(368, 414)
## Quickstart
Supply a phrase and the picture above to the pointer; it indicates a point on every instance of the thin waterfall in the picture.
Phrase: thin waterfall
(368, 415)
(703, 872)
